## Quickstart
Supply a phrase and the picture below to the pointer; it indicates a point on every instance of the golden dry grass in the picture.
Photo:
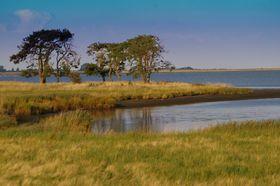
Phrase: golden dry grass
(30, 98)
(233, 154)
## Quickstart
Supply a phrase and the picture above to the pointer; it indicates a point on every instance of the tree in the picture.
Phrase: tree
(29, 73)
(38, 48)
(100, 54)
(2, 69)
(144, 54)
(109, 57)
(93, 69)
(75, 77)
(65, 59)
(83, 66)
(117, 58)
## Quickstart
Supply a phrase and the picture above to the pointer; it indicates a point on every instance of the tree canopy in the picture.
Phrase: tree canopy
(142, 56)
(50, 52)
(40, 47)
(100, 54)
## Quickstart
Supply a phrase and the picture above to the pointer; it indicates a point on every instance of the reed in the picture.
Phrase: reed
(75, 121)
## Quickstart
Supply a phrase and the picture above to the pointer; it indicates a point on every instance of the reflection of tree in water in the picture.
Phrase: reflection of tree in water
(107, 121)
(142, 119)
(124, 120)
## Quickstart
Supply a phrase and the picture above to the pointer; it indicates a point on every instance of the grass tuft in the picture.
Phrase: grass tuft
(75, 121)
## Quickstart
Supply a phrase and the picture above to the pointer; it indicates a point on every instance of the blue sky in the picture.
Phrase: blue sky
(198, 33)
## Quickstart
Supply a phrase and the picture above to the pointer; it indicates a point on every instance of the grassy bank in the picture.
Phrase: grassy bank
(31, 99)
(46, 154)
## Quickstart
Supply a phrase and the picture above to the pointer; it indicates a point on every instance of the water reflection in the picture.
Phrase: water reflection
(123, 120)
(183, 118)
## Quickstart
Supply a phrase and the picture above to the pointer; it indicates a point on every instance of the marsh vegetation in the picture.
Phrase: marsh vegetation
(32, 99)
(60, 151)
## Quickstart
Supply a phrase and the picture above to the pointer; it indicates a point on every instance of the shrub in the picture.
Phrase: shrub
(75, 77)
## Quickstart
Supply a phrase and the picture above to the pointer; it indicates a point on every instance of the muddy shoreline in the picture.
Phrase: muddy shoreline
(255, 94)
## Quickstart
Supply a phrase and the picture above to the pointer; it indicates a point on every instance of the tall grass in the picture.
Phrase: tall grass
(7, 121)
(75, 121)
(31, 99)
(234, 154)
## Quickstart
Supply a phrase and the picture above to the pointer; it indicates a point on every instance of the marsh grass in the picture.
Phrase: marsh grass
(74, 121)
(32, 99)
(7, 121)
(234, 154)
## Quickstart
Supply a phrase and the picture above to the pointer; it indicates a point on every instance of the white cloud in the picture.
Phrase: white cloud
(25, 15)
(31, 20)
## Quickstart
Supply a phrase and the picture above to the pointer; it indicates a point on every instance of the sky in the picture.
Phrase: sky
(197, 33)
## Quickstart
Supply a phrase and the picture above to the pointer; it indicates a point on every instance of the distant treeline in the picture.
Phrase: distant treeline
(50, 52)
(2, 69)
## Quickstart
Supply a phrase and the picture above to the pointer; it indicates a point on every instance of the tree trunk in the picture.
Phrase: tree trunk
(43, 79)
(103, 78)
(57, 76)
(43, 65)
(118, 76)
(146, 78)
(57, 73)
(110, 75)
(41, 72)
(149, 78)
(42, 76)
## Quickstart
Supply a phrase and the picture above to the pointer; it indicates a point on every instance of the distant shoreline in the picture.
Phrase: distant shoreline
(183, 70)
(224, 70)
(9, 73)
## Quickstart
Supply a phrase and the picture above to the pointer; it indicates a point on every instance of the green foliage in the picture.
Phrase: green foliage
(75, 77)
(38, 48)
(94, 69)
(29, 73)
(144, 54)
(50, 51)
(83, 66)
(66, 59)
(118, 57)
(99, 52)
